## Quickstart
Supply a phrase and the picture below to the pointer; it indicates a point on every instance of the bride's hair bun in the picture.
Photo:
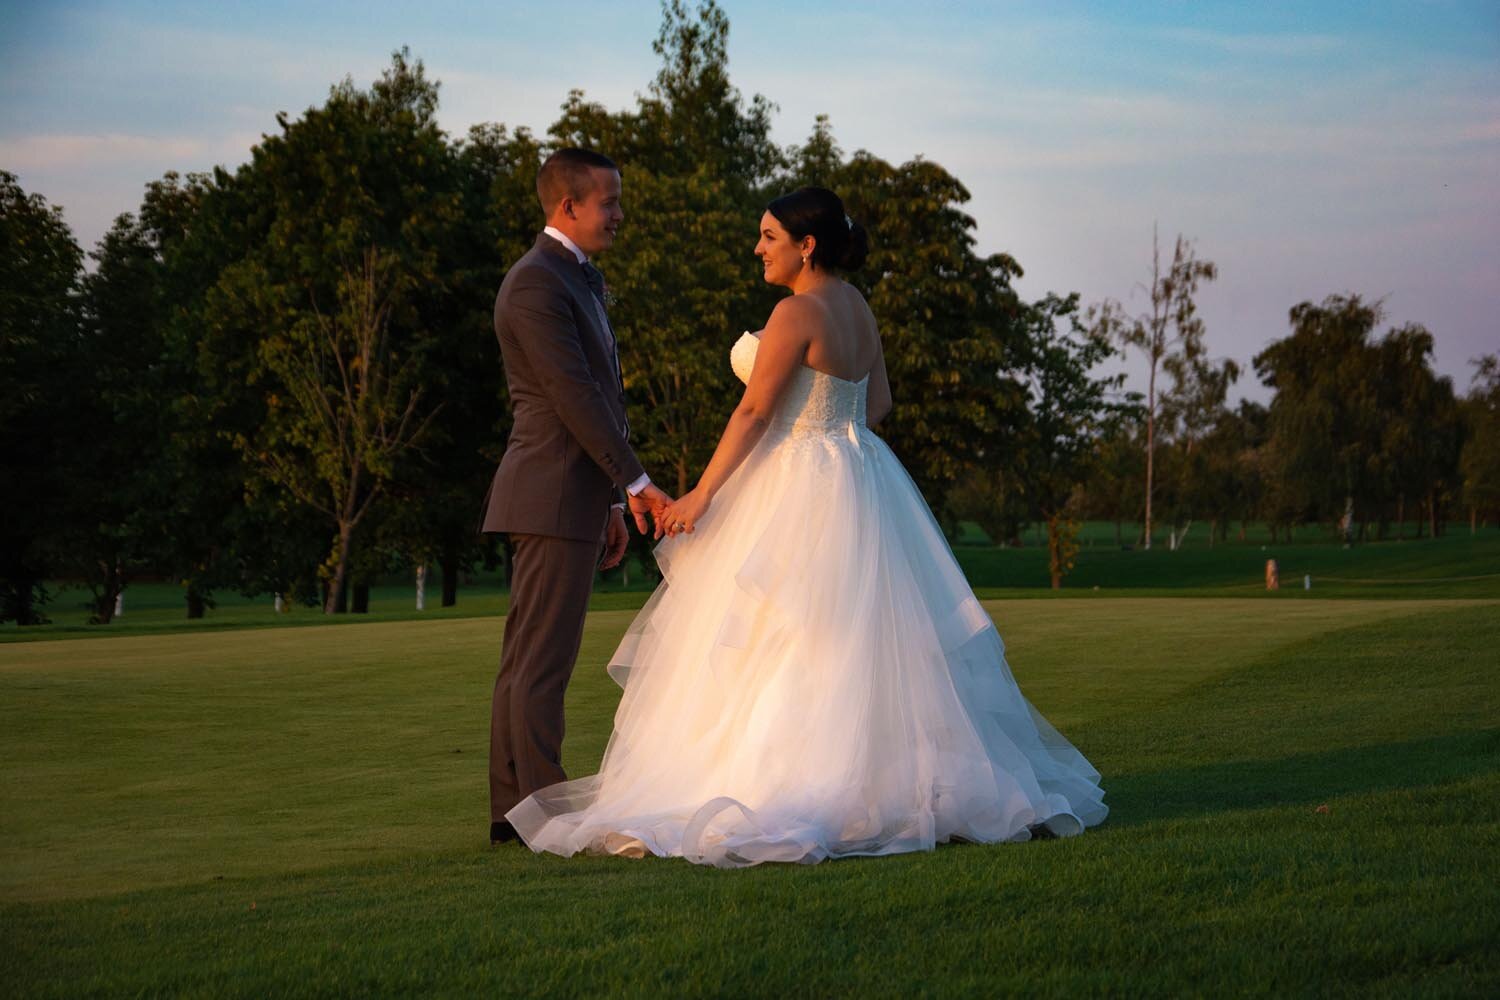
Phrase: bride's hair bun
(819, 213)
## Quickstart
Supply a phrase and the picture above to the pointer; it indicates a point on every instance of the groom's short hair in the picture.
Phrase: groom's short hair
(568, 173)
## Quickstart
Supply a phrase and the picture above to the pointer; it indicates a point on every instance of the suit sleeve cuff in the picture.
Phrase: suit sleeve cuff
(635, 488)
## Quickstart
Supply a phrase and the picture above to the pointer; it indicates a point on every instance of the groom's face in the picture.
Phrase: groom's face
(596, 214)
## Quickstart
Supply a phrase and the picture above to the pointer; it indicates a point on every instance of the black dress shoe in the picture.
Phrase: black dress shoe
(502, 832)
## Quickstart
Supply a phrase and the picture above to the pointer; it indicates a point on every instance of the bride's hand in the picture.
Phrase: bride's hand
(683, 514)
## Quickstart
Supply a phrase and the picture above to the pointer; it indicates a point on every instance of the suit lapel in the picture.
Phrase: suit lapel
(572, 272)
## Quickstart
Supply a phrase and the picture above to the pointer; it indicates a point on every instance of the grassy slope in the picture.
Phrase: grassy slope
(156, 787)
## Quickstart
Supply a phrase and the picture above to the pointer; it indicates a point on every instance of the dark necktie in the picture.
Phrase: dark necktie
(595, 280)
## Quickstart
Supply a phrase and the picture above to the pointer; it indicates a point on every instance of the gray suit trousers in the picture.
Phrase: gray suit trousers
(551, 580)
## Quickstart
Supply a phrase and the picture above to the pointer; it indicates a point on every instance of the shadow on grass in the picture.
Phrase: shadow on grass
(1303, 779)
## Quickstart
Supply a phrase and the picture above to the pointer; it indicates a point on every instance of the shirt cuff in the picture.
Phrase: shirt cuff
(635, 488)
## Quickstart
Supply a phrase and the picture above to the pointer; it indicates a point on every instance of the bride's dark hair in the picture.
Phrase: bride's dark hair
(819, 213)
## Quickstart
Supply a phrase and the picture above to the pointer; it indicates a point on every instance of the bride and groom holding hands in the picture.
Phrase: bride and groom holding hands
(814, 677)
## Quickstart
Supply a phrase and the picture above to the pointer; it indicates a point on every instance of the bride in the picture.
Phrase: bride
(814, 677)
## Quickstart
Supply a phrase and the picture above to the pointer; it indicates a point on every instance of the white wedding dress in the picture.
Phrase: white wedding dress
(814, 677)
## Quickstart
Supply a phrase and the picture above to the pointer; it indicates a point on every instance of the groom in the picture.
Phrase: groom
(562, 485)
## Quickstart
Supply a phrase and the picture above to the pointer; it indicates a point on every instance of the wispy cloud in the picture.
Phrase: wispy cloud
(45, 153)
(1290, 45)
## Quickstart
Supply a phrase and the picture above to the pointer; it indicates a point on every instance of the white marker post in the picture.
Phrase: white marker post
(421, 586)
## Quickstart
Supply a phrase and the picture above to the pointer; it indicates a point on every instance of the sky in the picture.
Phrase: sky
(1307, 149)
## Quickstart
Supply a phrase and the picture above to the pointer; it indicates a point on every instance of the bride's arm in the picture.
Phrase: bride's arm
(783, 345)
(878, 401)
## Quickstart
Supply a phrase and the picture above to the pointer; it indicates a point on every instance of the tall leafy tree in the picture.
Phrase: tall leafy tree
(361, 199)
(116, 475)
(353, 407)
(1357, 422)
(1421, 430)
(40, 268)
(1325, 418)
(1068, 412)
(951, 324)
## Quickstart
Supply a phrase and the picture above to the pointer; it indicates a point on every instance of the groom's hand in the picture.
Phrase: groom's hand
(615, 539)
(650, 500)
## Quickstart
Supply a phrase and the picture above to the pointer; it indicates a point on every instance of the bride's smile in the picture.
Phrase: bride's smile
(784, 259)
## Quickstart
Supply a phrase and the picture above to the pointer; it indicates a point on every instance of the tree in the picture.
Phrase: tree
(1238, 464)
(951, 324)
(1357, 423)
(1113, 489)
(353, 407)
(1324, 418)
(356, 205)
(1420, 429)
(993, 496)
(40, 268)
(1170, 327)
(116, 476)
(1192, 410)
(1069, 412)
(198, 516)
(1480, 461)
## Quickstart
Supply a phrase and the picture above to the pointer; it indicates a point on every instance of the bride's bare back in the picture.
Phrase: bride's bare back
(844, 341)
(842, 338)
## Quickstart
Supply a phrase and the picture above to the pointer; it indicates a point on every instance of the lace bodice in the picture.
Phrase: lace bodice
(815, 401)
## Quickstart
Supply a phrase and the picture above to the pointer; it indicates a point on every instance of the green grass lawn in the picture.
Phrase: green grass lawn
(302, 811)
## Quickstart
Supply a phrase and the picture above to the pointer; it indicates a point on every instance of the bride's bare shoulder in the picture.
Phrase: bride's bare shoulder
(793, 307)
(795, 316)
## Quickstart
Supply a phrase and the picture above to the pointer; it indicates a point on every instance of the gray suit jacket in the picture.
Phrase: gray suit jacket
(567, 457)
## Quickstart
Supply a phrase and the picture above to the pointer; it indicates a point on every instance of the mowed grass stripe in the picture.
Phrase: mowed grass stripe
(1220, 726)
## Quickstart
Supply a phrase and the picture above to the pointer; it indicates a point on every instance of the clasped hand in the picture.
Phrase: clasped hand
(653, 502)
(682, 514)
(667, 516)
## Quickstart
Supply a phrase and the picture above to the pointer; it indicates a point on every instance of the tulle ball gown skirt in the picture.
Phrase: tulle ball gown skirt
(815, 679)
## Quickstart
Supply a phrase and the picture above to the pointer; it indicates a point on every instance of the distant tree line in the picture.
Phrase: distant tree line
(1360, 436)
(283, 378)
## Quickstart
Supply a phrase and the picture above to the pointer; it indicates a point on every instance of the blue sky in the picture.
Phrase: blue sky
(1308, 148)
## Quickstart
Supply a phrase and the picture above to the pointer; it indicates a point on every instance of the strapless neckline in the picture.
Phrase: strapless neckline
(814, 401)
(817, 371)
